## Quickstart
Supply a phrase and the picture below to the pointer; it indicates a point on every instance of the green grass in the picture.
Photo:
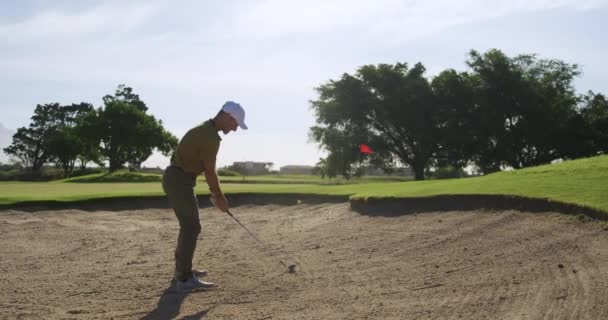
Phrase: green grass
(582, 182)
(308, 179)
(118, 176)
(126, 176)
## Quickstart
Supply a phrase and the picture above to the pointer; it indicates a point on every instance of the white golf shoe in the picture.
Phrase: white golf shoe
(195, 272)
(193, 283)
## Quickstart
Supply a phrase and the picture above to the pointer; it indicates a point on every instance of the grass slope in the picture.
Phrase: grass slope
(583, 182)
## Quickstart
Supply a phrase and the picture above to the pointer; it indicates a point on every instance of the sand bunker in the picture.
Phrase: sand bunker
(72, 264)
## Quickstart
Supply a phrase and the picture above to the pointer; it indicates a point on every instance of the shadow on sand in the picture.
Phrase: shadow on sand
(170, 302)
(394, 207)
(169, 305)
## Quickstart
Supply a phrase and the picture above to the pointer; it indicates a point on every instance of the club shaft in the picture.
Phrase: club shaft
(260, 243)
(250, 233)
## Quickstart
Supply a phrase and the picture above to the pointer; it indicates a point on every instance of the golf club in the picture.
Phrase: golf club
(290, 268)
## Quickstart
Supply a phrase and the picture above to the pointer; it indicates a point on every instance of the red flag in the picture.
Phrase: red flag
(365, 149)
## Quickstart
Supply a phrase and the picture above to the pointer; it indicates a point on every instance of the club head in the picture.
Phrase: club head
(291, 268)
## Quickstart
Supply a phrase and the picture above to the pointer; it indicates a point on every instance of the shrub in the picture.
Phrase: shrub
(448, 172)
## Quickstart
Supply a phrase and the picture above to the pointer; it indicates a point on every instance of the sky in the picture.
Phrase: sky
(186, 58)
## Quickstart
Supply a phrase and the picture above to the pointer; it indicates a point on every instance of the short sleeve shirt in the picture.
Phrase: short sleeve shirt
(199, 143)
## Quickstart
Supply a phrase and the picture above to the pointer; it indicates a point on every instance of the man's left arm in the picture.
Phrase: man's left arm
(214, 185)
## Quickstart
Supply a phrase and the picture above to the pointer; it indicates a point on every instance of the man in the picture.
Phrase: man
(195, 154)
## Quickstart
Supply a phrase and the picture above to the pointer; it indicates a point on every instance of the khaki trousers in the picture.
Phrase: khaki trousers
(179, 188)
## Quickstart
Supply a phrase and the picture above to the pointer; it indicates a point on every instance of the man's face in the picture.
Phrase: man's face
(231, 124)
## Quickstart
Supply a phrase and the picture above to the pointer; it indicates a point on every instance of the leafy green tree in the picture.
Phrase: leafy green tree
(505, 112)
(320, 168)
(86, 129)
(391, 108)
(115, 128)
(31, 145)
(71, 113)
(66, 145)
(595, 113)
(124, 132)
(126, 94)
(26, 149)
(522, 106)
(150, 135)
(343, 152)
(456, 98)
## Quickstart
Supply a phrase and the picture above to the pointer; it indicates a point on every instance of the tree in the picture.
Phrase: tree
(391, 108)
(31, 145)
(72, 113)
(64, 148)
(26, 149)
(86, 129)
(595, 114)
(66, 144)
(343, 151)
(126, 95)
(124, 132)
(456, 98)
(521, 107)
(320, 168)
(150, 135)
(504, 112)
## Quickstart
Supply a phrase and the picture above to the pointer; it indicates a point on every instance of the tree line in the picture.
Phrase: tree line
(120, 133)
(501, 112)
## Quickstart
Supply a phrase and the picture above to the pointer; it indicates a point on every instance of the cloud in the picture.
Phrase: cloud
(244, 44)
(56, 25)
(377, 19)
(267, 19)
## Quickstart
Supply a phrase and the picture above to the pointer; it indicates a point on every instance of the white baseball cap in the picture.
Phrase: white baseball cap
(236, 111)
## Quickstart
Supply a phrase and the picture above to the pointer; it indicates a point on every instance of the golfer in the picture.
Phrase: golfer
(196, 153)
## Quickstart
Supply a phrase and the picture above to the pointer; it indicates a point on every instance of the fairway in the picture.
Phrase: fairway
(73, 264)
(579, 182)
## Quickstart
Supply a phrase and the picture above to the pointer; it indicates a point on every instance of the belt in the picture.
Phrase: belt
(180, 169)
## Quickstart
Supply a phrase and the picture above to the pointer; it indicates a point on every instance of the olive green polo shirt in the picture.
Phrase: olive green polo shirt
(199, 143)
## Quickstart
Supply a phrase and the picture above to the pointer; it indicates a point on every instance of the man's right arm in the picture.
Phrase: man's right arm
(214, 185)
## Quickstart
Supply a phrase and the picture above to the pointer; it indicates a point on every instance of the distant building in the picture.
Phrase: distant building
(251, 167)
(295, 169)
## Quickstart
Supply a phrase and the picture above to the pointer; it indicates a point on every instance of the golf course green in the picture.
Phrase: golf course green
(582, 182)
